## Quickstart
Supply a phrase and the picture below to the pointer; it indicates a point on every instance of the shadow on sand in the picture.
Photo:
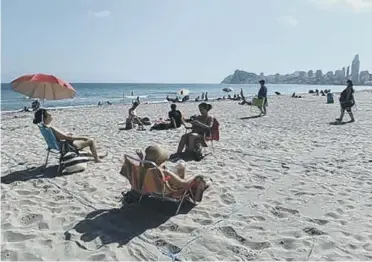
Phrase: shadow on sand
(120, 225)
(31, 173)
(250, 117)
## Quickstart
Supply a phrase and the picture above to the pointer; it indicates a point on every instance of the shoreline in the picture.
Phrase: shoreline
(156, 102)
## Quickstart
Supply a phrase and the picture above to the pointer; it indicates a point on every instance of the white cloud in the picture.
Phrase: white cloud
(100, 14)
(354, 5)
(288, 20)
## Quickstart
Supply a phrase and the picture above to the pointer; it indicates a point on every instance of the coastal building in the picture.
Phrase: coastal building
(364, 77)
(344, 72)
(319, 74)
(310, 74)
(355, 69)
(340, 76)
(277, 77)
(302, 74)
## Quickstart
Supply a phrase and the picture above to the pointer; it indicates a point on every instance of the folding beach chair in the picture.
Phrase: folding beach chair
(257, 102)
(54, 146)
(214, 132)
(153, 182)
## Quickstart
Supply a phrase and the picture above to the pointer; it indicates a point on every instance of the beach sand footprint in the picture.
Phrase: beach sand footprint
(166, 247)
(320, 222)
(229, 232)
(9, 255)
(243, 252)
(281, 212)
(31, 218)
(313, 231)
(228, 198)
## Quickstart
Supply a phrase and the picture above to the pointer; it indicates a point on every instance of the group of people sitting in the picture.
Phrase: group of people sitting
(192, 142)
(323, 93)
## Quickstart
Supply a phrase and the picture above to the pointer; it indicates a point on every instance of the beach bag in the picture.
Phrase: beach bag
(73, 162)
(330, 98)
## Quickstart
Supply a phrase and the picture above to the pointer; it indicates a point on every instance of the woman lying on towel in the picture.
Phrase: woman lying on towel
(42, 116)
(201, 126)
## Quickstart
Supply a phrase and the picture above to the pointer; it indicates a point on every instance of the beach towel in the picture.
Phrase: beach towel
(74, 163)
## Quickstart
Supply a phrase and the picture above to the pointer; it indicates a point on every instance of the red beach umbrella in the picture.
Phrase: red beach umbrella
(43, 87)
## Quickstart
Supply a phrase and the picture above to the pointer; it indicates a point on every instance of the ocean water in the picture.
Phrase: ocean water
(89, 94)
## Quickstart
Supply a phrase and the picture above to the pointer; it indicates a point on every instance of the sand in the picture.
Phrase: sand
(287, 186)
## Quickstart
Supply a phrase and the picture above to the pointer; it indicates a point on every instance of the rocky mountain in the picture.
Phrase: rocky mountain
(241, 77)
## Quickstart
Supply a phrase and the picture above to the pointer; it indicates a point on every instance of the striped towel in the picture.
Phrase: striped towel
(73, 163)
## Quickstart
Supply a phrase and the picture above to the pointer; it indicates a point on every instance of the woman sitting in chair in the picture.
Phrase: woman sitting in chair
(201, 127)
(159, 156)
(42, 116)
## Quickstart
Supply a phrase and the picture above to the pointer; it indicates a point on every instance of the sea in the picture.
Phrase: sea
(89, 94)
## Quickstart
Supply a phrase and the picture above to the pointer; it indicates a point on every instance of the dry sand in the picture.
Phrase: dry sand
(287, 186)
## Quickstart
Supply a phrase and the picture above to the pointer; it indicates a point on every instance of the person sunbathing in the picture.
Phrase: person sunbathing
(79, 142)
(201, 126)
(132, 118)
(159, 156)
(175, 120)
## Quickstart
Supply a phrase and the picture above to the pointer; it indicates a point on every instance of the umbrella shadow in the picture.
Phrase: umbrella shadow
(121, 225)
(250, 117)
(31, 173)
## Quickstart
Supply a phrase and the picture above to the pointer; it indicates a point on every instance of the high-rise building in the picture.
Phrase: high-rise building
(344, 72)
(348, 72)
(364, 77)
(310, 73)
(355, 69)
(319, 74)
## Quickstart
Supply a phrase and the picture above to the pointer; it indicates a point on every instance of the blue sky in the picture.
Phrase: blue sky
(174, 41)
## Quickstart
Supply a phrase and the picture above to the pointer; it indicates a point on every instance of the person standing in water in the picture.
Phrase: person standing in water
(347, 101)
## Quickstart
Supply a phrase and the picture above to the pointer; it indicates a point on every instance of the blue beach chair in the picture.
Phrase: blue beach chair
(54, 146)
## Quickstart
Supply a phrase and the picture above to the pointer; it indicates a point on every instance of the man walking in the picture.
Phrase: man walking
(262, 94)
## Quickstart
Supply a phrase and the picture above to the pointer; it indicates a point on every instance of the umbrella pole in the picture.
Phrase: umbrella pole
(44, 95)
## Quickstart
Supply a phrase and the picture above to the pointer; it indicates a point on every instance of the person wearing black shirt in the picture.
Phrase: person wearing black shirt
(175, 116)
(262, 94)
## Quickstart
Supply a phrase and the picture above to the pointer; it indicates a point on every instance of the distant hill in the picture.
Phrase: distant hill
(241, 77)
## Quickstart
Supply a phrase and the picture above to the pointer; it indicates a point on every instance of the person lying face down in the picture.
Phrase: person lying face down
(44, 117)
(201, 126)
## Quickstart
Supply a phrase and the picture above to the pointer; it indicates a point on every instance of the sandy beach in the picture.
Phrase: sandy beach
(287, 186)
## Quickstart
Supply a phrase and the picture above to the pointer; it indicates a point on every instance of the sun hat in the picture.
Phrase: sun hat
(156, 154)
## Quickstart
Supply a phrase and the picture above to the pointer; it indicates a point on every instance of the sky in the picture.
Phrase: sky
(174, 41)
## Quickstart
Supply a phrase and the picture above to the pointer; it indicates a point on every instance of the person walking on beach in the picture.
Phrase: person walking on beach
(347, 101)
(262, 94)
